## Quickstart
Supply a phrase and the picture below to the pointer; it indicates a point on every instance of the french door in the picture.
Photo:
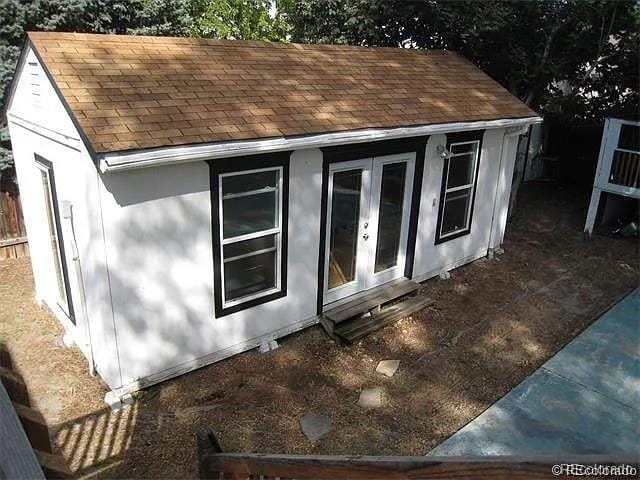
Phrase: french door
(367, 223)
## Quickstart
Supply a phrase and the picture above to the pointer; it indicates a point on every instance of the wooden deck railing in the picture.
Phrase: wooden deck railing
(625, 168)
(213, 463)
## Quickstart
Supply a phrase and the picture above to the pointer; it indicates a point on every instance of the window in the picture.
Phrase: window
(251, 231)
(458, 190)
(55, 240)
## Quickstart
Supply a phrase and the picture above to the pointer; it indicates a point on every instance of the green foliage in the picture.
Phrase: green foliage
(548, 53)
(6, 157)
(237, 19)
(139, 17)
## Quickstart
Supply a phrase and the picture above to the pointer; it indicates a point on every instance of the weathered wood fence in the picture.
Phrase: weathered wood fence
(216, 464)
(13, 235)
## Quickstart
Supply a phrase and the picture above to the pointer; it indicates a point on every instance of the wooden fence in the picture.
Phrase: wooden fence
(216, 464)
(13, 235)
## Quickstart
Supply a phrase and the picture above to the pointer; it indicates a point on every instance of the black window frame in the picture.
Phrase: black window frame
(43, 163)
(453, 138)
(240, 165)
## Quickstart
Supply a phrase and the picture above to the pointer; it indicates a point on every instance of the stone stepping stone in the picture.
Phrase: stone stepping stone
(315, 426)
(388, 367)
(371, 397)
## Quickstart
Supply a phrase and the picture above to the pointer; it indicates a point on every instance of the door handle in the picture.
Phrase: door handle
(365, 236)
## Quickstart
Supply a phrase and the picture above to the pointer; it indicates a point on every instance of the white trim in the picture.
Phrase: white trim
(249, 193)
(626, 151)
(199, 362)
(601, 182)
(119, 161)
(277, 231)
(251, 236)
(470, 186)
(365, 275)
(250, 254)
(61, 282)
(458, 263)
(396, 271)
(364, 165)
(71, 142)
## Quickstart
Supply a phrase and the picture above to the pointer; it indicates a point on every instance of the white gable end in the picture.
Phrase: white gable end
(35, 104)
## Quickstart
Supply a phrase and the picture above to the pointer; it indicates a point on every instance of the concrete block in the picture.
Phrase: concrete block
(388, 367)
(112, 399)
(264, 347)
(315, 426)
(371, 397)
(67, 340)
(444, 276)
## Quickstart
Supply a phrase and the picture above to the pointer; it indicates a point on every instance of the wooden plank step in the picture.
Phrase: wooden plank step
(359, 327)
(373, 298)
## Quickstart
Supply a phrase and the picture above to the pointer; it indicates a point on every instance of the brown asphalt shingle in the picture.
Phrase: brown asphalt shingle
(130, 92)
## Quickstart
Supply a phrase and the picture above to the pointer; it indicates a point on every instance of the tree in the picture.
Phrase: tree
(140, 17)
(526, 46)
(574, 58)
(237, 19)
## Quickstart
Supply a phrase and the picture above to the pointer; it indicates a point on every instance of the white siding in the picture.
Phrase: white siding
(159, 249)
(51, 134)
(145, 244)
(431, 259)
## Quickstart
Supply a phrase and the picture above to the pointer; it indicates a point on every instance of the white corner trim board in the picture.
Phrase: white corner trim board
(115, 162)
(72, 142)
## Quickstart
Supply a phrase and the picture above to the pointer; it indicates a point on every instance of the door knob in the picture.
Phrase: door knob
(366, 224)
(365, 236)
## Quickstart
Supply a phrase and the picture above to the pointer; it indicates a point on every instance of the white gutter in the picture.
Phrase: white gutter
(116, 162)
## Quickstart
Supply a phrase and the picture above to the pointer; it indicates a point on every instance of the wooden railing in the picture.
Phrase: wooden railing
(625, 168)
(213, 463)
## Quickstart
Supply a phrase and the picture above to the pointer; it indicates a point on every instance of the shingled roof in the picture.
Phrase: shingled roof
(131, 92)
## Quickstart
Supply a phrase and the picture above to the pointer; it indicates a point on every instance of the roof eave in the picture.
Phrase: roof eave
(136, 159)
(8, 99)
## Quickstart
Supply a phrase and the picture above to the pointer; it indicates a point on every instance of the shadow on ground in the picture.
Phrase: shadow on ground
(492, 324)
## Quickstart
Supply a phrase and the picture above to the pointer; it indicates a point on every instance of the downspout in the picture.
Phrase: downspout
(68, 210)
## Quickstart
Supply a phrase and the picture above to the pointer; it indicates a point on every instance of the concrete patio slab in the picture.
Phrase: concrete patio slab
(584, 400)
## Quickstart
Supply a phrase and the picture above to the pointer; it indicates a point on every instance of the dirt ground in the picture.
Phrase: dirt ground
(493, 323)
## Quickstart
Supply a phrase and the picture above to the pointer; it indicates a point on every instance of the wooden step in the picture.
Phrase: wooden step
(357, 328)
(373, 298)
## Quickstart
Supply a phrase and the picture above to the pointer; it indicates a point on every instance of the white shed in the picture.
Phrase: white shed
(187, 199)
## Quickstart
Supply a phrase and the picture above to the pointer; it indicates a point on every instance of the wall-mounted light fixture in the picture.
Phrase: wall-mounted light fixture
(443, 152)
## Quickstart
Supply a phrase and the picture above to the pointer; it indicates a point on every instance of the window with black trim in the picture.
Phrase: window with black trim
(458, 189)
(56, 241)
(251, 236)
(250, 230)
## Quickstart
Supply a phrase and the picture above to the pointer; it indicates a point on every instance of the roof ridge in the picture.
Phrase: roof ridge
(158, 39)
(136, 92)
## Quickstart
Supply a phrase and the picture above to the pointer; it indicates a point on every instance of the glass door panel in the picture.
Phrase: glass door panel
(367, 223)
(53, 236)
(390, 215)
(344, 230)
